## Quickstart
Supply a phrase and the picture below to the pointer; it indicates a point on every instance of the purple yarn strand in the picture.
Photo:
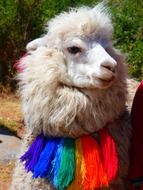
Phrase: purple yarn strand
(33, 153)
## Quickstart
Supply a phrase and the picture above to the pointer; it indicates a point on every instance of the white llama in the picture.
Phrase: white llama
(74, 83)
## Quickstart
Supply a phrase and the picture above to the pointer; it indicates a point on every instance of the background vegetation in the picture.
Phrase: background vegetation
(23, 20)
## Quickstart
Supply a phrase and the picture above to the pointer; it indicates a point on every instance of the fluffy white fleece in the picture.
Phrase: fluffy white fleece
(74, 83)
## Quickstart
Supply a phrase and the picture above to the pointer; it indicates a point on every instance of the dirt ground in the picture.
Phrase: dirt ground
(5, 175)
(11, 120)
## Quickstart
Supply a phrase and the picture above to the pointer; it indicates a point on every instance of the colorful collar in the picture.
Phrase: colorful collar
(72, 164)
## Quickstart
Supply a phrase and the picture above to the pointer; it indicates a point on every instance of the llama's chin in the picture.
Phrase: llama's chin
(86, 83)
(103, 83)
(99, 82)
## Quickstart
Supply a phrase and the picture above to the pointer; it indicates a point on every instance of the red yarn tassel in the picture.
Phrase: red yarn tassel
(109, 153)
(95, 177)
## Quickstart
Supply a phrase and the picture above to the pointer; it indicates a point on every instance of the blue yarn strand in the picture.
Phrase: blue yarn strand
(56, 162)
(43, 166)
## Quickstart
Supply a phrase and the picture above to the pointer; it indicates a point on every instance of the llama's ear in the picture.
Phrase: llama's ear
(101, 9)
(39, 42)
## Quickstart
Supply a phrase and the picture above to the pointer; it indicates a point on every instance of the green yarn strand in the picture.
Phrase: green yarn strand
(67, 166)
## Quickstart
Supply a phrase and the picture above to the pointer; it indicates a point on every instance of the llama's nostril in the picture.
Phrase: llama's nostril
(109, 66)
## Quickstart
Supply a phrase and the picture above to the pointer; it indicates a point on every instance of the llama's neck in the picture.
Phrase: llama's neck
(105, 106)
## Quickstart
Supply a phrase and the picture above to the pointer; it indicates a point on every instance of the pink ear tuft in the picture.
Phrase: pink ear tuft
(18, 66)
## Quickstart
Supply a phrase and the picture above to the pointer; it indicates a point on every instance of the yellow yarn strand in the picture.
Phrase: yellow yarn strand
(80, 168)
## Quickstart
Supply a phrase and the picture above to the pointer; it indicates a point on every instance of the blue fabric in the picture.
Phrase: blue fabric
(137, 181)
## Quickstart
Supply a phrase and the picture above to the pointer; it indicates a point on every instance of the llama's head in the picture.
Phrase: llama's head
(73, 77)
(84, 36)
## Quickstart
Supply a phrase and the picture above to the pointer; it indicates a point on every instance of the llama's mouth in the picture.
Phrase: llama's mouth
(105, 82)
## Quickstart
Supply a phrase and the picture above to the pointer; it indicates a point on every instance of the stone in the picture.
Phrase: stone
(9, 146)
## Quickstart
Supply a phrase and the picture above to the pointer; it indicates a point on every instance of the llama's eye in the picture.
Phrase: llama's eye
(74, 50)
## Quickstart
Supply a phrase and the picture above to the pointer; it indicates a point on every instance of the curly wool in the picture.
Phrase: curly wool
(53, 104)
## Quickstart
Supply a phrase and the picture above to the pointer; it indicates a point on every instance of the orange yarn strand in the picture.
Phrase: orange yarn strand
(80, 168)
(95, 177)
(109, 153)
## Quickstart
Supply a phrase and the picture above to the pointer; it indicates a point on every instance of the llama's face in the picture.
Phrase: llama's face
(84, 37)
(89, 65)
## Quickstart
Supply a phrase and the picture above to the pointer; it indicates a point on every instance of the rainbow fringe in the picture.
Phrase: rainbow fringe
(80, 164)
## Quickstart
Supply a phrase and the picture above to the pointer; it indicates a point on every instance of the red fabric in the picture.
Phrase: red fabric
(136, 161)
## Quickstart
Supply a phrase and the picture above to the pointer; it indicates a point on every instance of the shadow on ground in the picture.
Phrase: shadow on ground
(5, 131)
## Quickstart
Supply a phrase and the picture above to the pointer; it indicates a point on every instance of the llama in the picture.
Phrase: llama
(74, 83)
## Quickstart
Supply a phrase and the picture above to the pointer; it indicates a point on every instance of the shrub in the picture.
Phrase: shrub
(23, 20)
(127, 16)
